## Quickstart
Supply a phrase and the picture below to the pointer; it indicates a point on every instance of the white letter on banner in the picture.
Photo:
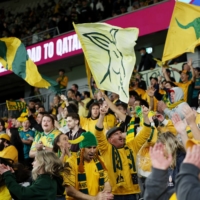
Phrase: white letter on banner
(75, 43)
(59, 47)
(70, 43)
(29, 53)
(79, 44)
(64, 45)
(38, 54)
(33, 54)
(51, 50)
(45, 50)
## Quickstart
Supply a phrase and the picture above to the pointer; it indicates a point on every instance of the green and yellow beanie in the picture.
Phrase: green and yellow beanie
(87, 139)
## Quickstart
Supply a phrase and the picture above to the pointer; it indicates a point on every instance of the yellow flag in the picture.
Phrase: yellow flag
(14, 57)
(15, 105)
(184, 31)
(109, 51)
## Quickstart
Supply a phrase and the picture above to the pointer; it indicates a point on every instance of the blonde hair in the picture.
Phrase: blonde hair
(172, 145)
(48, 163)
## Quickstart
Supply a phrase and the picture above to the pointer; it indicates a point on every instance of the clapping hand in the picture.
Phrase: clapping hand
(4, 168)
(158, 158)
(179, 124)
(193, 156)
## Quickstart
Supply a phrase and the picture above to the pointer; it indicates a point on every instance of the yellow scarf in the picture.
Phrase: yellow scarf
(174, 105)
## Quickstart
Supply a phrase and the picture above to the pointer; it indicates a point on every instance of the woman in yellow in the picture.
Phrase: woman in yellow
(89, 123)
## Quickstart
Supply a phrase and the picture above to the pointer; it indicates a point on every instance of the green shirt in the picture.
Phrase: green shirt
(43, 188)
(25, 135)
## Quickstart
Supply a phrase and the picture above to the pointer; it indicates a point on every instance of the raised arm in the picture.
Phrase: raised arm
(165, 74)
(190, 118)
(144, 133)
(192, 70)
(103, 144)
(112, 106)
(180, 126)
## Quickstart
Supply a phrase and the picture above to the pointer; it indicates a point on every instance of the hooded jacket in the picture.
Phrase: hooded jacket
(178, 109)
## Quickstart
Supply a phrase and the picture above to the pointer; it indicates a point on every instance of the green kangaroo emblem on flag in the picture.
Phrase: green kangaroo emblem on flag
(114, 53)
(194, 24)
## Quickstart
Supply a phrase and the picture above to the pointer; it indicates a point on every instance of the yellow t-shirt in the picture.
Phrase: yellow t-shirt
(106, 152)
(46, 139)
(140, 92)
(185, 87)
(4, 193)
(63, 81)
(168, 126)
(82, 110)
(91, 172)
(10, 152)
(109, 121)
(89, 124)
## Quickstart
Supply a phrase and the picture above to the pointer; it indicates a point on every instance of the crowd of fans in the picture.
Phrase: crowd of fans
(97, 147)
(61, 15)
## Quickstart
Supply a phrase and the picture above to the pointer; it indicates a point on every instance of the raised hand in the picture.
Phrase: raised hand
(179, 124)
(63, 97)
(193, 156)
(190, 62)
(158, 159)
(150, 91)
(189, 114)
(4, 168)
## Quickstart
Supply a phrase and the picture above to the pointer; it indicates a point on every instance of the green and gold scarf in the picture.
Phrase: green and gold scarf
(130, 134)
(118, 166)
(82, 179)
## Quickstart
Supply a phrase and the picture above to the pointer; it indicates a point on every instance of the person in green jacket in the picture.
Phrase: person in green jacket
(46, 175)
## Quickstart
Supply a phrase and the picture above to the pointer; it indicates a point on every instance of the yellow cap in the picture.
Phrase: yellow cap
(5, 136)
(192, 142)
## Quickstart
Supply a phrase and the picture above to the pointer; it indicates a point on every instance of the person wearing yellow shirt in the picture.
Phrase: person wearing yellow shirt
(82, 104)
(85, 176)
(44, 140)
(120, 157)
(89, 123)
(6, 149)
(135, 87)
(62, 79)
(186, 84)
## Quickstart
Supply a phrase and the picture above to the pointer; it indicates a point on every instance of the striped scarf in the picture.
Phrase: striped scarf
(82, 179)
(118, 166)
(130, 134)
